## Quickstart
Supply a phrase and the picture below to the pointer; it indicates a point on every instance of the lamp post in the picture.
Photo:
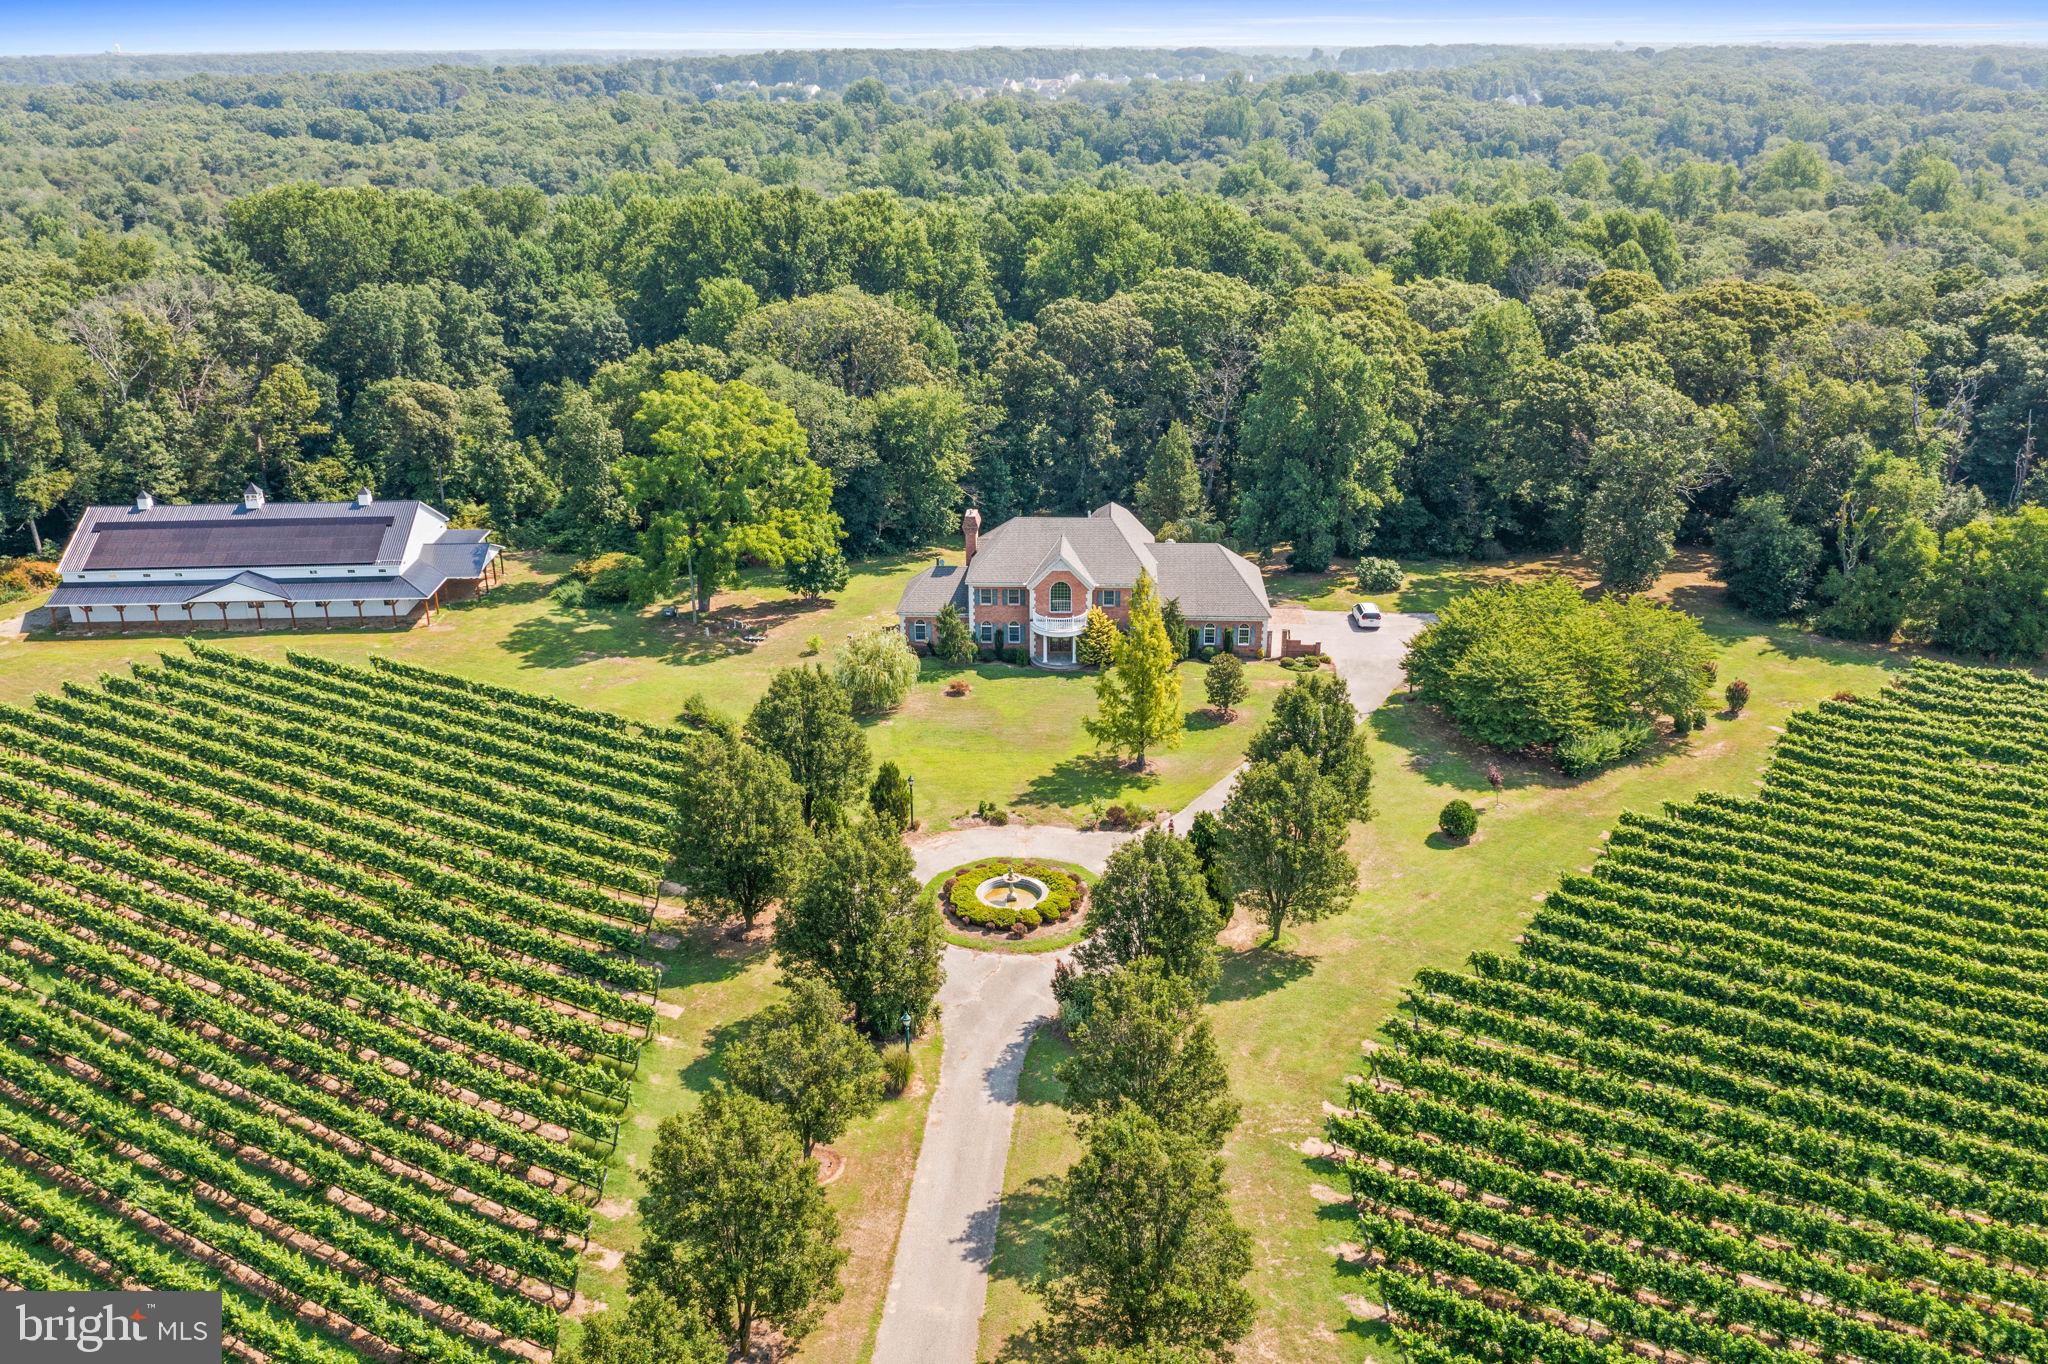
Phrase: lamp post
(913, 800)
(906, 1030)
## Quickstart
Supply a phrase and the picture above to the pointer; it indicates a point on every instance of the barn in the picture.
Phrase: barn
(218, 565)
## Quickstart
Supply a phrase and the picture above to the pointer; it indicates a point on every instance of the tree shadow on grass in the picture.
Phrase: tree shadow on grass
(522, 593)
(707, 955)
(1258, 971)
(1083, 780)
(709, 1064)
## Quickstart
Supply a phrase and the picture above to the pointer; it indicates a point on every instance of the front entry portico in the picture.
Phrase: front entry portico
(1056, 652)
(1052, 638)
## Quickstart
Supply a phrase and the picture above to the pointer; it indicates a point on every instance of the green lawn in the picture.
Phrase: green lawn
(711, 982)
(1289, 1021)
(1015, 738)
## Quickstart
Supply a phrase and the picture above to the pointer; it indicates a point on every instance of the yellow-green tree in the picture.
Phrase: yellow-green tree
(1137, 697)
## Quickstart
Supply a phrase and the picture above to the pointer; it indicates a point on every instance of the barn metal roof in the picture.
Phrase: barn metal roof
(234, 535)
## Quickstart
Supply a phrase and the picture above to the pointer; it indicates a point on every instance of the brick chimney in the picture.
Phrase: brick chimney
(970, 530)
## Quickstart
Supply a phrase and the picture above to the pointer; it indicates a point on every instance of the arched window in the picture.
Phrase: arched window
(1062, 598)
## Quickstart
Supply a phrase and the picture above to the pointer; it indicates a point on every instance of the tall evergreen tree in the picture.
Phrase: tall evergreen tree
(1170, 493)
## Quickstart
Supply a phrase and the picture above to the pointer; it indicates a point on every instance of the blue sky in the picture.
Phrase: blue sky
(72, 26)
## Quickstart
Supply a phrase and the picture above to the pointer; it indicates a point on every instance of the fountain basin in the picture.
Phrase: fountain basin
(1011, 892)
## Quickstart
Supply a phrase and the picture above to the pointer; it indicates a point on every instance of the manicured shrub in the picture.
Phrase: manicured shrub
(1065, 894)
(1458, 820)
(1584, 753)
(889, 796)
(1097, 645)
(988, 812)
(1379, 575)
(951, 641)
(898, 1066)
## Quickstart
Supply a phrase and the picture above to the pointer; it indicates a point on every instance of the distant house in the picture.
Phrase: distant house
(1028, 584)
(255, 561)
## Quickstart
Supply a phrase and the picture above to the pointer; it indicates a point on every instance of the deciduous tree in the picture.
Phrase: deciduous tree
(858, 921)
(1146, 1042)
(739, 827)
(1314, 715)
(1146, 1253)
(734, 1223)
(806, 719)
(1138, 696)
(1283, 840)
(720, 473)
(801, 1055)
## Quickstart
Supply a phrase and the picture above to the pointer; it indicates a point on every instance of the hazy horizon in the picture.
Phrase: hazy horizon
(241, 27)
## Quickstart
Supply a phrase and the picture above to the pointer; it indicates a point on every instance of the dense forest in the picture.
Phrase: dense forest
(1448, 301)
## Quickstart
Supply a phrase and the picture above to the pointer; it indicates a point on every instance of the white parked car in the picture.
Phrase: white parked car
(1365, 616)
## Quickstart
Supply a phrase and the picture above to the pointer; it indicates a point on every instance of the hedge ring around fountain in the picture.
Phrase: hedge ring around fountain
(1011, 895)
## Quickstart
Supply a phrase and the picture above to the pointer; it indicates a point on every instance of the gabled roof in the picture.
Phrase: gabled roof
(1109, 545)
(933, 590)
(1211, 582)
(1062, 555)
(254, 582)
(233, 535)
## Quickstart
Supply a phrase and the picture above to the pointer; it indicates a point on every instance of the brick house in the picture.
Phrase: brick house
(1028, 584)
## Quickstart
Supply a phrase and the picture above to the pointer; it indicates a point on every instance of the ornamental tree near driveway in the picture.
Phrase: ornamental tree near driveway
(801, 1055)
(1147, 1252)
(1146, 1042)
(857, 920)
(740, 827)
(734, 1222)
(1152, 902)
(1314, 715)
(1283, 841)
(1224, 684)
(1137, 697)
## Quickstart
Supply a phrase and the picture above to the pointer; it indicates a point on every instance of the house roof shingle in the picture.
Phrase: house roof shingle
(1110, 546)
(931, 591)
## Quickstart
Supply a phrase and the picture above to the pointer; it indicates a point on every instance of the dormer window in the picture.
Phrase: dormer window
(1062, 599)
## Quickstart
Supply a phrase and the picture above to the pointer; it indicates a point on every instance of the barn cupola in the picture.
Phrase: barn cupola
(252, 498)
(363, 498)
(143, 500)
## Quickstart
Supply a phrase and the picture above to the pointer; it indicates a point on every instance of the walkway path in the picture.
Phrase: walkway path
(993, 1003)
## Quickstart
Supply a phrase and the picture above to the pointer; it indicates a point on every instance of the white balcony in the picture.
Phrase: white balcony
(1059, 627)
